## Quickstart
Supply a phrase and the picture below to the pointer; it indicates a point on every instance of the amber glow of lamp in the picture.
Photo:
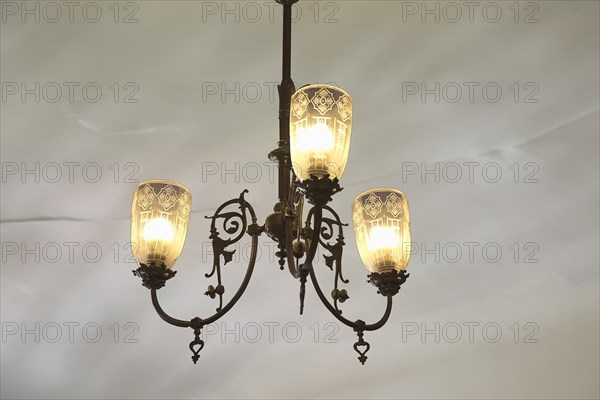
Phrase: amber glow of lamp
(320, 130)
(160, 213)
(381, 221)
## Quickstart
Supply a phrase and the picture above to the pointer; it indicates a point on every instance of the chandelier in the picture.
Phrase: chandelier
(315, 125)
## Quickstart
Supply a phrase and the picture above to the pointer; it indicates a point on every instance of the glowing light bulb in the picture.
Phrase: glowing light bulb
(159, 229)
(320, 130)
(160, 213)
(383, 238)
(316, 139)
(382, 229)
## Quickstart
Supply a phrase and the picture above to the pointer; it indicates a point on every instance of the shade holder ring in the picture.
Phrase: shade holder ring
(154, 275)
(388, 283)
(319, 191)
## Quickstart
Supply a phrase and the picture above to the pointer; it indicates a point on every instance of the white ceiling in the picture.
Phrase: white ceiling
(177, 130)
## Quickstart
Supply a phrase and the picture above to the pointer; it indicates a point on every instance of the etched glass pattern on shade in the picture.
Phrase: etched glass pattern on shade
(382, 229)
(320, 129)
(159, 219)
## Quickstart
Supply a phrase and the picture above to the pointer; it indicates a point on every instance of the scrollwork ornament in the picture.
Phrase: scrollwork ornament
(235, 225)
(329, 226)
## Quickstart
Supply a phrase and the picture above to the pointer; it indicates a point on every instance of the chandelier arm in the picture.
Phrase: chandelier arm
(235, 226)
(186, 324)
(335, 249)
(317, 212)
(242, 287)
(384, 318)
(253, 229)
(164, 316)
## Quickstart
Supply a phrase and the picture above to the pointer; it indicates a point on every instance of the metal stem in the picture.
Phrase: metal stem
(286, 90)
(287, 48)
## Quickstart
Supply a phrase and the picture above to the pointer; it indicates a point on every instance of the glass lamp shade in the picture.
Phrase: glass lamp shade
(159, 219)
(382, 229)
(320, 128)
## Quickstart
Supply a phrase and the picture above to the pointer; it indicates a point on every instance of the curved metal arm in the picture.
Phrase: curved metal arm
(205, 321)
(359, 326)
(234, 224)
(335, 249)
(198, 323)
(318, 216)
(166, 317)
